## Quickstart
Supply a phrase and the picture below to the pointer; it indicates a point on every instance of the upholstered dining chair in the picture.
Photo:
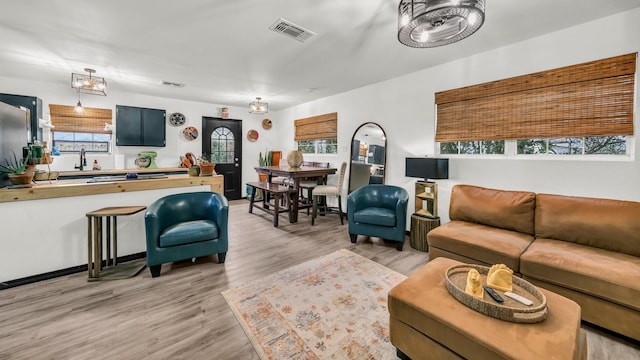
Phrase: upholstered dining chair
(380, 211)
(310, 184)
(322, 191)
(186, 226)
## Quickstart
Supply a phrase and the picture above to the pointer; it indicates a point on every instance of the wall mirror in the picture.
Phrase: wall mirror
(368, 156)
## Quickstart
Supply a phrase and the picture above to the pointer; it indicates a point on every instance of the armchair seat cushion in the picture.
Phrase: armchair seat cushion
(189, 232)
(376, 216)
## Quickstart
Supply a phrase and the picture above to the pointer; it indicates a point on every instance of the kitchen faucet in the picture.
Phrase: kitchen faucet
(83, 160)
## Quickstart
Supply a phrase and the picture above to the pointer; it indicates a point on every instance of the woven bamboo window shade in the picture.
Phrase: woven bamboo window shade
(93, 120)
(589, 99)
(319, 127)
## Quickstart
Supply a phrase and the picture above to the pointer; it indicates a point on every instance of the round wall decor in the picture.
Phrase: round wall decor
(190, 133)
(266, 124)
(177, 119)
(252, 135)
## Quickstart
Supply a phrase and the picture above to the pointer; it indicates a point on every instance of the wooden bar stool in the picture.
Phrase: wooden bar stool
(95, 231)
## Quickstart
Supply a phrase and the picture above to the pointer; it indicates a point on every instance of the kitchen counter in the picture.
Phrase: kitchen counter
(91, 173)
(45, 226)
(80, 187)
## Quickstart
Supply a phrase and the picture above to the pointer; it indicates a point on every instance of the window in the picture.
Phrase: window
(317, 134)
(318, 146)
(473, 147)
(596, 145)
(582, 109)
(75, 131)
(222, 146)
(75, 141)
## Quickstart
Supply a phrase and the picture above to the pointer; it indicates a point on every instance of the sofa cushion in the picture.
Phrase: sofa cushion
(376, 216)
(487, 245)
(511, 210)
(602, 223)
(189, 232)
(601, 273)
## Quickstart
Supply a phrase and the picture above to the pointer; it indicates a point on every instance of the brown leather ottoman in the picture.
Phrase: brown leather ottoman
(426, 322)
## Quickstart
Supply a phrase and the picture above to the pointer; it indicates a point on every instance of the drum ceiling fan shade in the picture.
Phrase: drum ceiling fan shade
(431, 23)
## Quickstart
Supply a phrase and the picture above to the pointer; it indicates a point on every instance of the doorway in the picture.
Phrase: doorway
(222, 141)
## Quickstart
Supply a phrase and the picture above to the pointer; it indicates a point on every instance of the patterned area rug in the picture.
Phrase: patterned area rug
(332, 307)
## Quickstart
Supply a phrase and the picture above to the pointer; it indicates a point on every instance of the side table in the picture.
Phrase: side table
(95, 238)
(420, 227)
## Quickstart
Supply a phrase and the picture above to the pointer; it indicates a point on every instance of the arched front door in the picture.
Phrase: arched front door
(222, 140)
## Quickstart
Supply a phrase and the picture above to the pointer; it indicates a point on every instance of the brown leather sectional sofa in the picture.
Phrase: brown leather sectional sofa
(586, 249)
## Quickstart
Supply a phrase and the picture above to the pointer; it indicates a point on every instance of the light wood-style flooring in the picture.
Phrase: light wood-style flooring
(182, 314)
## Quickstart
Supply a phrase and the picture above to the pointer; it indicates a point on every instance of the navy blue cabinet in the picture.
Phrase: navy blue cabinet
(137, 126)
(376, 154)
(34, 105)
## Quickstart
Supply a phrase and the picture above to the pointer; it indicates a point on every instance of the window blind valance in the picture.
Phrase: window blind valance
(589, 99)
(93, 120)
(317, 127)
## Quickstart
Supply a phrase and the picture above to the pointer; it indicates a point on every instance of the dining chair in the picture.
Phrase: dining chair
(323, 191)
(310, 184)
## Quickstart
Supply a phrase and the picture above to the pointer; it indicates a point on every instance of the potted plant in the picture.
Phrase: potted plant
(264, 161)
(206, 166)
(17, 170)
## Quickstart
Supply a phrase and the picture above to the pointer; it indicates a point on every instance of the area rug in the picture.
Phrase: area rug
(332, 307)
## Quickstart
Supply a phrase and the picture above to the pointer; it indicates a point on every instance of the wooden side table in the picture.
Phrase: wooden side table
(95, 238)
(420, 227)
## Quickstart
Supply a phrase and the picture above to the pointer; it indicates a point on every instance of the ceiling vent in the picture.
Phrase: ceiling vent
(172, 84)
(291, 30)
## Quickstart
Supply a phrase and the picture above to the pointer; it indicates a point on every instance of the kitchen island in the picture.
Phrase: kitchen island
(45, 227)
(82, 187)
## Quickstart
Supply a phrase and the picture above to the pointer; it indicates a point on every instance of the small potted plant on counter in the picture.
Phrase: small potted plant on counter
(17, 170)
(206, 166)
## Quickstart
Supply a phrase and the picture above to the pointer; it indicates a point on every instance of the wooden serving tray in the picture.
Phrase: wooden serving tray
(509, 310)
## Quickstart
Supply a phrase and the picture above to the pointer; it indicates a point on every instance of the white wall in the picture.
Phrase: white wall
(168, 156)
(404, 107)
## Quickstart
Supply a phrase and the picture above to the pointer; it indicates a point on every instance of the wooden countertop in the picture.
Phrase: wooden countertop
(80, 187)
(121, 171)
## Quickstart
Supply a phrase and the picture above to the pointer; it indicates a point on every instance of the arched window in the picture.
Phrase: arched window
(222, 146)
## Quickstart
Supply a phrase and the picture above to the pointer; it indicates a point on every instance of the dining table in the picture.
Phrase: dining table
(295, 174)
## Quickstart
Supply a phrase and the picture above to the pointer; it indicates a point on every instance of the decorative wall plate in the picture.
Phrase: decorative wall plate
(177, 119)
(266, 124)
(252, 135)
(190, 133)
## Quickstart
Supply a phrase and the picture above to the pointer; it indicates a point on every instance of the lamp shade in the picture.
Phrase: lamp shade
(427, 168)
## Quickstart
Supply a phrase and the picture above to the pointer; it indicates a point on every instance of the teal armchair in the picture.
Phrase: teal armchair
(185, 226)
(380, 211)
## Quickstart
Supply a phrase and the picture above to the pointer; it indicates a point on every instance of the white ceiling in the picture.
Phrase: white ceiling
(225, 54)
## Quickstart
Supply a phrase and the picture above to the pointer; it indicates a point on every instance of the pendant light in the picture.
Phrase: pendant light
(258, 107)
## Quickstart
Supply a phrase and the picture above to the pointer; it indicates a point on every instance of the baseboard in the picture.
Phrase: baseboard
(63, 272)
